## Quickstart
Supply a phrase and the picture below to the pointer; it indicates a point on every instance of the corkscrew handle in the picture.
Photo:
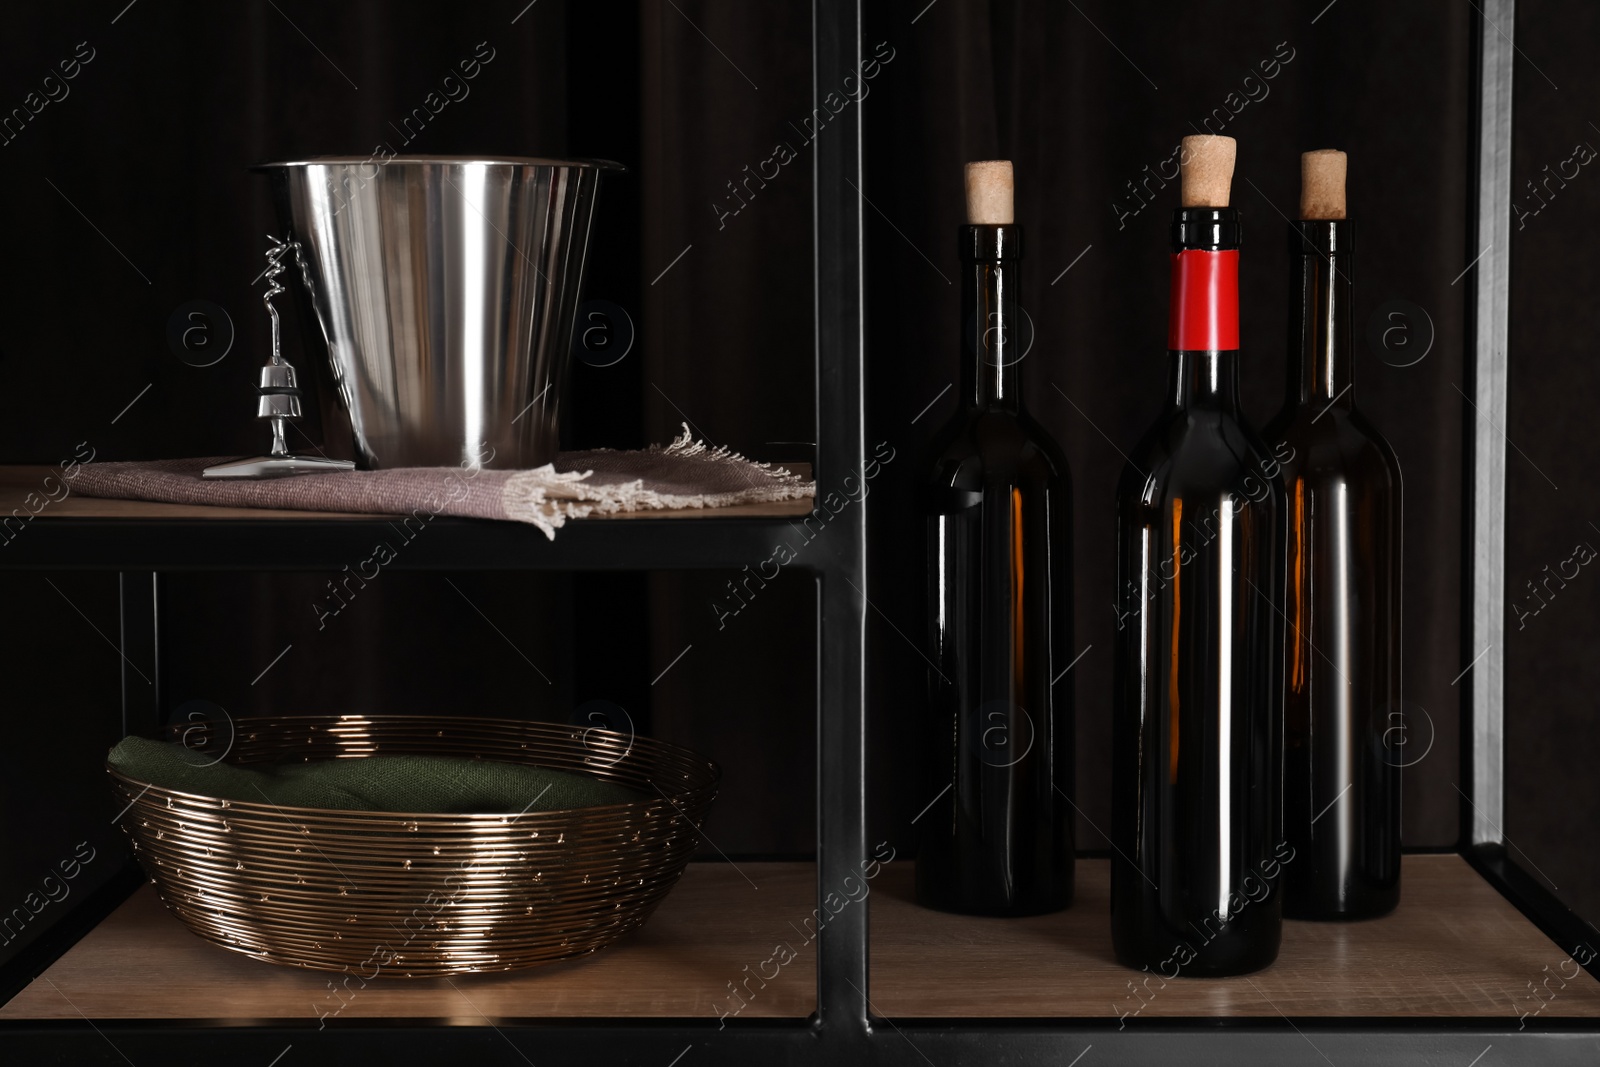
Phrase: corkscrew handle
(278, 391)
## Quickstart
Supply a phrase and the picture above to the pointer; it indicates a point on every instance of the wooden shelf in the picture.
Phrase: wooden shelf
(1454, 948)
(141, 963)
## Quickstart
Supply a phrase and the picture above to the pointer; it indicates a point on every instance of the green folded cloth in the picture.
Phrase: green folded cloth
(448, 785)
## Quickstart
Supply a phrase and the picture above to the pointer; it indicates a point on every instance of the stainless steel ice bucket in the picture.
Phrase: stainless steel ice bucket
(444, 291)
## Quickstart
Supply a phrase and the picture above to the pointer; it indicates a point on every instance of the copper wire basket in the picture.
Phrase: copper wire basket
(420, 895)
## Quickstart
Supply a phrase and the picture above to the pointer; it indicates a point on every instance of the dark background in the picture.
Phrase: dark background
(131, 197)
(1552, 671)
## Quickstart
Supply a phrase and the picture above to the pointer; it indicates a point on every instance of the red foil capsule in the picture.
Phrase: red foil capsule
(1204, 314)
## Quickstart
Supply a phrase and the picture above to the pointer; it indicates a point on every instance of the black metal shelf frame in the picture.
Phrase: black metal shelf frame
(84, 544)
(845, 1029)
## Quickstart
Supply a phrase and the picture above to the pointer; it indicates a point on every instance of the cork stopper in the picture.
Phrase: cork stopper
(1206, 165)
(1322, 184)
(989, 190)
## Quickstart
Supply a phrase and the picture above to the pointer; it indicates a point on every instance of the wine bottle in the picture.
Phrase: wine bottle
(1197, 701)
(996, 839)
(1343, 726)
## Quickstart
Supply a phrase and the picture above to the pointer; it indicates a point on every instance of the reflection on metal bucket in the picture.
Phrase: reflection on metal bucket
(445, 290)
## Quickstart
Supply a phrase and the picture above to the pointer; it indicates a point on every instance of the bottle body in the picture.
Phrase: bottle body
(1344, 724)
(1197, 746)
(996, 838)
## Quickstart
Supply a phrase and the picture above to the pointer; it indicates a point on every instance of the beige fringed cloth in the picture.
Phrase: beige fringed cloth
(685, 474)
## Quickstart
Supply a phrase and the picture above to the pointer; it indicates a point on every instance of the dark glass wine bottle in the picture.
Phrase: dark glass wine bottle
(997, 837)
(1343, 715)
(1197, 747)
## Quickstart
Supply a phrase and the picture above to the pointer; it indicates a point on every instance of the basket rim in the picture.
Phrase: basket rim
(706, 791)
(258, 807)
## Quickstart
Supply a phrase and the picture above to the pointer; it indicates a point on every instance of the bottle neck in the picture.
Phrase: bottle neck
(1321, 259)
(1204, 380)
(993, 336)
(1203, 321)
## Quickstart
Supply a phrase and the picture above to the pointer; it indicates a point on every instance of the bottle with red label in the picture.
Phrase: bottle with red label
(1197, 848)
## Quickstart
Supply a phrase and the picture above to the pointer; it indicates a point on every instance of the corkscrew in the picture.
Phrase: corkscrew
(278, 392)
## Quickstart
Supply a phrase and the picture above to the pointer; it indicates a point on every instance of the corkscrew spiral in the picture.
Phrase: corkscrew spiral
(275, 267)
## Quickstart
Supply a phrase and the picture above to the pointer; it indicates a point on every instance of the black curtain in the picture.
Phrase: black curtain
(1553, 524)
(124, 174)
(726, 268)
(129, 196)
(1088, 100)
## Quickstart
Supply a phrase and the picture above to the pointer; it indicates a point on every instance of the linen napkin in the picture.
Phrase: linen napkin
(684, 474)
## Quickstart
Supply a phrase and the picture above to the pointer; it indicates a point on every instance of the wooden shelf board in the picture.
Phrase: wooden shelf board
(16, 482)
(1453, 948)
(141, 963)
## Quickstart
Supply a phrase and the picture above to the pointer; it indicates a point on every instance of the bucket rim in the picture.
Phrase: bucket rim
(441, 160)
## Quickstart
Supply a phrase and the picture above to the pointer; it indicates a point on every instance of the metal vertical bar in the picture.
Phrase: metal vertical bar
(841, 448)
(1483, 815)
(140, 602)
